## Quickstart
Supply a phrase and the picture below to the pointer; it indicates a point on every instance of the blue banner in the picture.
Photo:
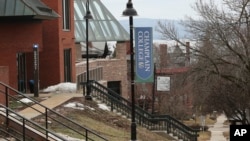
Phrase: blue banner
(144, 54)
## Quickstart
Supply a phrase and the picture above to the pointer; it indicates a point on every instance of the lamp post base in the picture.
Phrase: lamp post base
(133, 131)
(88, 97)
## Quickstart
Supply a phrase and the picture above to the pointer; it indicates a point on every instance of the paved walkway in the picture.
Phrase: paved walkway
(53, 101)
(218, 129)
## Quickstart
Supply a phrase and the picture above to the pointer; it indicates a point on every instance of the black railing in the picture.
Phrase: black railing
(5, 134)
(49, 115)
(143, 118)
(19, 132)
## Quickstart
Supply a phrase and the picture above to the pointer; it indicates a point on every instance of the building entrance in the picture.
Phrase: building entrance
(115, 86)
(21, 67)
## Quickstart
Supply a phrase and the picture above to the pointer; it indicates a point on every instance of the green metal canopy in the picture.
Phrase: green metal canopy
(28, 8)
(103, 26)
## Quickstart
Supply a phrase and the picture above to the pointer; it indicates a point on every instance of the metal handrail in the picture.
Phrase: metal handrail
(9, 135)
(12, 115)
(67, 123)
(144, 118)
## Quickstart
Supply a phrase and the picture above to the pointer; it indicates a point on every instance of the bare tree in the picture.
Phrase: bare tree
(221, 65)
(176, 102)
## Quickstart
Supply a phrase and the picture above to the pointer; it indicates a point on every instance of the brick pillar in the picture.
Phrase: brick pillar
(121, 50)
(121, 54)
(163, 55)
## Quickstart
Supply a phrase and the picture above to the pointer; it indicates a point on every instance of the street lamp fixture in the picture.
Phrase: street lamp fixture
(130, 11)
(87, 17)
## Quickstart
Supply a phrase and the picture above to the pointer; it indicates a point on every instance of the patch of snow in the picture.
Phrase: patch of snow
(65, 137)
(69, 138)
(103, 107)
(93, 109)
(75, 105)
(66, 87)
(79, 106)
(70, 105)
(26, 100)
(2, 109)
(13, 115)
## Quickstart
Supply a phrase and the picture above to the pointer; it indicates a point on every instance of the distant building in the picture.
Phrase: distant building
(171, 62)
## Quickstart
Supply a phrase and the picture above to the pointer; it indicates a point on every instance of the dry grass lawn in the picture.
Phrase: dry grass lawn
(108, 124)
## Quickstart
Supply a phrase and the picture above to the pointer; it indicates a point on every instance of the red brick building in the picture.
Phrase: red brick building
(171, 62)
(48, 23)
(58, 27)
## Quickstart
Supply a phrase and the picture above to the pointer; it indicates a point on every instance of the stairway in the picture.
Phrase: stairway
(21, 128)
(164, 123)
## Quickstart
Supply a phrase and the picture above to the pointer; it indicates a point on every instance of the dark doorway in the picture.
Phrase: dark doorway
(115, 86)
(67, 65)
(21, 68)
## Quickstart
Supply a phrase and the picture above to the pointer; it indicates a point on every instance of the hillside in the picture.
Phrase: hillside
(108, 124)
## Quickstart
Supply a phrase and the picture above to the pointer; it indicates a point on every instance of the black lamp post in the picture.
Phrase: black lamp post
(87, 17)
(130, 11)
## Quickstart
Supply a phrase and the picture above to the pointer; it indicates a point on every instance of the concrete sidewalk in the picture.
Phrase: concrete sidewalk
(53, 101)
(218, 129)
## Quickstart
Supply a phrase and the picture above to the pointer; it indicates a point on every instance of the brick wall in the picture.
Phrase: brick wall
(4, 74)
(4, 78)
(17, 36)
(116, 69)
(56, 40)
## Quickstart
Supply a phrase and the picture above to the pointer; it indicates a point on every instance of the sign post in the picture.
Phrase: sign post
(36, 69)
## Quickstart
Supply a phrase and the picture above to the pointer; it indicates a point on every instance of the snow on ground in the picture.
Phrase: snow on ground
(103, 107)
(26, 100)
(66, 87)
(79, 106)
(2, 109)
(70, 138)
(75, 105)
(65, 137)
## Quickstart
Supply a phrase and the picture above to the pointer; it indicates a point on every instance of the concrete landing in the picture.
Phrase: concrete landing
(53, 101)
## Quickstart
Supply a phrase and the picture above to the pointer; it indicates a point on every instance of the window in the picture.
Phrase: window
(66, 14)
(67, 65)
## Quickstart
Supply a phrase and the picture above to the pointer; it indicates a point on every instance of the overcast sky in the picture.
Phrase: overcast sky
(157, 9)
